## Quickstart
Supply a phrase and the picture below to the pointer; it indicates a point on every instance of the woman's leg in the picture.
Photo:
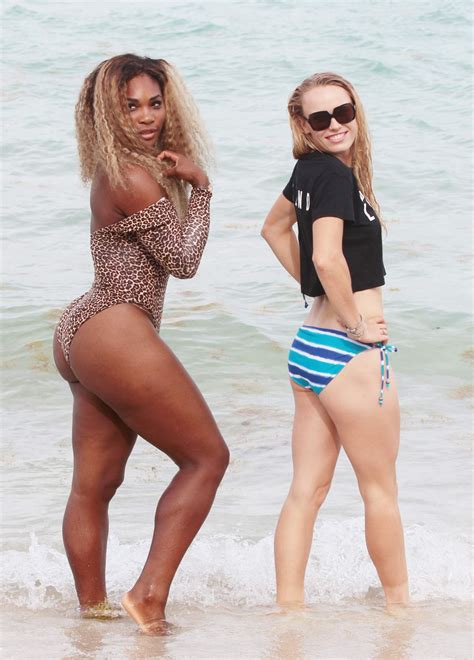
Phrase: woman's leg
(118, 355)
(315, 447)
(102, 444)
(370, 435)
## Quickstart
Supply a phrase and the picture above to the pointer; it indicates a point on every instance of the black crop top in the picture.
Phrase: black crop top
(322, 186)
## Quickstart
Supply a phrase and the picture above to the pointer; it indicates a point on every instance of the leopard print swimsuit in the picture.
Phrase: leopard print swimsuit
(134, 257)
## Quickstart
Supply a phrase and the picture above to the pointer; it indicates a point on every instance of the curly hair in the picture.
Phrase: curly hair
(361, 151)
(106, 136)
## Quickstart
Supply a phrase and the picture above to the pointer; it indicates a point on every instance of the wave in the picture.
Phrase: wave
(228, 570)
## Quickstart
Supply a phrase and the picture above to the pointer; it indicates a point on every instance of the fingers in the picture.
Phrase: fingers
(172, 155)
(377, 331)
(182, 167)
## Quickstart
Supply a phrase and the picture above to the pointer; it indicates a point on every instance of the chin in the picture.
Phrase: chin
(150, 145)
(341, 149)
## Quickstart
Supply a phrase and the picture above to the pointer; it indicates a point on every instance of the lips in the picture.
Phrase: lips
(337, 137)
(148, 134)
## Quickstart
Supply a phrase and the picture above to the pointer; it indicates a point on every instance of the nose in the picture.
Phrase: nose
(146, 116)
(334, 125)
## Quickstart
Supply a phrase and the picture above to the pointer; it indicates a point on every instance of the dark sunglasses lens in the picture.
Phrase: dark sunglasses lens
(319, 120)
(344, 113)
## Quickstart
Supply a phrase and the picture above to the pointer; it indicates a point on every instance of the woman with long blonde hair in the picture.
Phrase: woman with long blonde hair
(338, 363)
(141, 145)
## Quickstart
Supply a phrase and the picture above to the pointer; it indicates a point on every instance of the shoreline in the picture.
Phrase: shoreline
(223, 632)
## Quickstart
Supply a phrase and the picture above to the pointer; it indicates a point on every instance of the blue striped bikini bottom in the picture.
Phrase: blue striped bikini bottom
(317, 355)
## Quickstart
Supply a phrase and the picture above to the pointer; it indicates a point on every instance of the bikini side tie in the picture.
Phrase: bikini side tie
(385, 349)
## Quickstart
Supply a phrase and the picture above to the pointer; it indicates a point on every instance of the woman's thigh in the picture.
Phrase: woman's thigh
(101, 442)
(369, 432)
(118, 356)
(315, 442)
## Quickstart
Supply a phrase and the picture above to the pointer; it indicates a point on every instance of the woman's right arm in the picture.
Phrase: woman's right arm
(333, 272)
(278, 231)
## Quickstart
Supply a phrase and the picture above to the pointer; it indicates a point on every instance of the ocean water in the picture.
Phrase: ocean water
(231, 326)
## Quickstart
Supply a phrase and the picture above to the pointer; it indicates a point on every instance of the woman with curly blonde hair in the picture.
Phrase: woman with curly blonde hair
(142, 146)
(339, 360)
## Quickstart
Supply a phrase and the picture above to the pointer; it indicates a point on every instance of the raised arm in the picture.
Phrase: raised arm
(278, 231)
(176, 245)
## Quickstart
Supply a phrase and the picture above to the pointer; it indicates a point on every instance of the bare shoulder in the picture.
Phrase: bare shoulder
(141, 191)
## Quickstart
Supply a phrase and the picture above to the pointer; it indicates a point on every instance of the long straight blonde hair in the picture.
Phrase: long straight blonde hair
(105, 133)
(361, 150)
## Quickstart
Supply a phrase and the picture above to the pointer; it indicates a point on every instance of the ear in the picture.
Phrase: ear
(302, 124)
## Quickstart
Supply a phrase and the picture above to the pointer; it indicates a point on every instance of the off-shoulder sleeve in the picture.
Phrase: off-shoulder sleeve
(176, 245)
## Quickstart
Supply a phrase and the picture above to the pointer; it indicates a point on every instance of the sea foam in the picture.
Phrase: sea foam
(227, 570)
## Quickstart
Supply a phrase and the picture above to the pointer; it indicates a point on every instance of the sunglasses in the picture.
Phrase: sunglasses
(343, 114)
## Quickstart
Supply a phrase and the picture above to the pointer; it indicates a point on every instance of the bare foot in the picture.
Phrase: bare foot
(397, 596)
(150, 619)
(159, 628)
(103, 610)
(288, 607)
(400, 610)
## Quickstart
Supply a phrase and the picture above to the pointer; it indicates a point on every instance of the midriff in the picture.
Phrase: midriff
(369, 303)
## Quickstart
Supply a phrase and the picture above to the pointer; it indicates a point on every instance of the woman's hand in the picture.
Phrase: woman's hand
(375, 331)
(185, 169)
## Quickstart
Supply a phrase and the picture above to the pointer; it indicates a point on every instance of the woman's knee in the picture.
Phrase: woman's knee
(210, 464)
(98, 488)
(308, 495)
(217, 461)
(223, 458)
(379, 493)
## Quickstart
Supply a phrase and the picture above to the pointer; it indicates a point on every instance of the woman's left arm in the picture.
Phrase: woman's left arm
(177, 245)
(278, 231)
